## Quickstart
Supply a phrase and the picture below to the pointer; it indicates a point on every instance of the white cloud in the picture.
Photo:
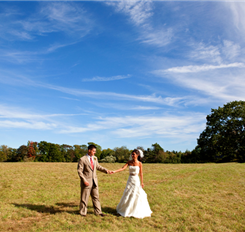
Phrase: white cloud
(68, 17)
(224, 52)
(138, 11)
(171, 101)
(231, 50)
(17, 79)
(22, 57)
(52, 17)
(199, 68)
(140, 14)
(168, 126)
(238, 12)
(27, 125)
(158, 37)
(113, 78)
(225, 82)
(206, 53)
(19, 113)
(126, 107)
(16, 117)
(145, 108)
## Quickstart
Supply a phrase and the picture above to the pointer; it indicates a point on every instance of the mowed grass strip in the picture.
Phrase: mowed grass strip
(183, 197)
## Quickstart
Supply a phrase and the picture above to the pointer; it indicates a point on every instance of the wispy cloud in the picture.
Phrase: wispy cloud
(206, 53)
(23, 57)
(138, 11)
(171, 101)
(56, 46)
(52, 17)
(18, 79)
(238, 12)
(231, 50)
(173, 126)
(13, 117)
(19, 113)
(72, 99)
(126, 107)
(159, 37)
(225, 52)
(199, 68)
(140, 14)
(67, 17)
(16, 117)
(113, 78)
(225, 83)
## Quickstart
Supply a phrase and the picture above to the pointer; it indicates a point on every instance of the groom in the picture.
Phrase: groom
(87, 166)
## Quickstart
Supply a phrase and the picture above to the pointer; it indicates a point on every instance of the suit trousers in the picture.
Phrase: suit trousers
(92, 191)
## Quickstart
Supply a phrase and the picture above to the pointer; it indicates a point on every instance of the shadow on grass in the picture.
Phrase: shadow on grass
(62, 207)
(109, 210)
(57, 208)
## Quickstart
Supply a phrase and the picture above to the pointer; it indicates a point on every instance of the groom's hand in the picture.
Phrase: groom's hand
(86, 184)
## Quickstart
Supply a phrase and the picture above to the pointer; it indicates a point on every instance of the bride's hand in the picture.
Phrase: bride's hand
(142, 185)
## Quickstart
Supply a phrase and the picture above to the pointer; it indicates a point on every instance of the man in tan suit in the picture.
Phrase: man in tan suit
(87, 166)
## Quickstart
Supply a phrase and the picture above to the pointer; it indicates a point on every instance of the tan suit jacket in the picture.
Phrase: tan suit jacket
(87, 174)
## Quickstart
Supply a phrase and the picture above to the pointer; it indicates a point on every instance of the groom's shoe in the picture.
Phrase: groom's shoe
(102, 215)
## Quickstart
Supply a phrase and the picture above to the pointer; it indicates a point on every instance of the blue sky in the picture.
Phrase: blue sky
(117, 73)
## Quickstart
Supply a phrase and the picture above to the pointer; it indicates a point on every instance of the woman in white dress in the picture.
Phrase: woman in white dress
(134, 200)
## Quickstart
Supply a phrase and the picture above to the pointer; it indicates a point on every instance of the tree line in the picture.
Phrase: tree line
(223, 140)
(50, 152)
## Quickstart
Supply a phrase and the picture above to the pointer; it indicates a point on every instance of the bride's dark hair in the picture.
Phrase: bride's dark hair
(136, 151)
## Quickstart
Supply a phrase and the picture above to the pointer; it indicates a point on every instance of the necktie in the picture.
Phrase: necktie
(92, 164)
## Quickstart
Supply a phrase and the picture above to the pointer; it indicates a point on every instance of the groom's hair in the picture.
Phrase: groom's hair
(91, 147)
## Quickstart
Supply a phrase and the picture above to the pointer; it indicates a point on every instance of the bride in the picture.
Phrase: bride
(134, 200)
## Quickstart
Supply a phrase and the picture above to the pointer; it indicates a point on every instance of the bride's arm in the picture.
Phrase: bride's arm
(121, 169)
(141, 175)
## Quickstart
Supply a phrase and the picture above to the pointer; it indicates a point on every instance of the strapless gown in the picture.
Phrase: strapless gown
(134, 201)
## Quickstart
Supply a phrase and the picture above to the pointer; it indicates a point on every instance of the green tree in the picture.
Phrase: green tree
(122, 154)
(55, 153)
(21, 153)
(79, 151)
(12, 154)
(107, 152)
(4, 153)
(155, 154)
(43, 148)
(109, 159)
(223, 140)
(67, 152)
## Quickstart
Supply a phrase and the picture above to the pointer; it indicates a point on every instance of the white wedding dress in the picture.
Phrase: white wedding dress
(134, 200)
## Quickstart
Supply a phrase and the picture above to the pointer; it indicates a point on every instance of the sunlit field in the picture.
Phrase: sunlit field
(183, 197)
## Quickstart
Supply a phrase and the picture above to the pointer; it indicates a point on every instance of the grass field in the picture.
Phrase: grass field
(183, 197)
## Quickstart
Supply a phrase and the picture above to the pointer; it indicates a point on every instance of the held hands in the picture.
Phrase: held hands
(110, 172)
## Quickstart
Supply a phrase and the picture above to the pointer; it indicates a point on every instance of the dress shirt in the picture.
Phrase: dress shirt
(89, 158)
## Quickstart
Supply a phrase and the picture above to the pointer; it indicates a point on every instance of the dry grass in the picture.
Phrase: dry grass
(183, 197)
